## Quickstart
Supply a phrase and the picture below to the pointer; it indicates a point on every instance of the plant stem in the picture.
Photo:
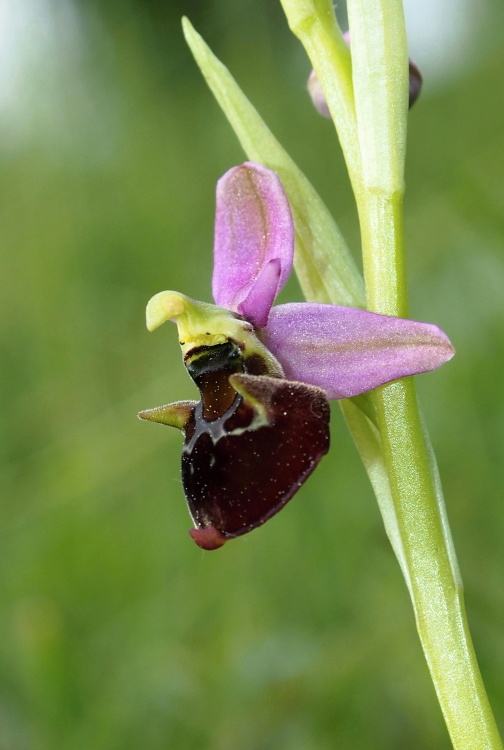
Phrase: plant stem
(375, 99)
(435, 586)
(434, 579)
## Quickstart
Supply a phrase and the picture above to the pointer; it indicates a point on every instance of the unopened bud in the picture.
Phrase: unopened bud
(319, 100)
(415, 83)
(317, 95)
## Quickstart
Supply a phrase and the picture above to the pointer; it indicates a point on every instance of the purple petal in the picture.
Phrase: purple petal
(254, 241)
(347, 351)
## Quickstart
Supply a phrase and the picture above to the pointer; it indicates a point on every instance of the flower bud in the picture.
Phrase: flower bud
(317, 95)
(319, 100)
(415, 83)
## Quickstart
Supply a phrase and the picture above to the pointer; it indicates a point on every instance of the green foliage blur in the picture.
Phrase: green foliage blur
(116, 631)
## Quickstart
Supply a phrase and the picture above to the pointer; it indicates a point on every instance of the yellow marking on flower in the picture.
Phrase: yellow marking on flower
(203, 324)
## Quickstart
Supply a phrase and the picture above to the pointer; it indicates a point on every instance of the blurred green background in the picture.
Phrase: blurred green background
(116, 631)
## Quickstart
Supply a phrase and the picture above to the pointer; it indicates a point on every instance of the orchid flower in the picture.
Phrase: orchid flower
(266, 373)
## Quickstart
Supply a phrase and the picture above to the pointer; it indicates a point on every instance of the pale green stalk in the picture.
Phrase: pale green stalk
(368, 105)
(380, 86)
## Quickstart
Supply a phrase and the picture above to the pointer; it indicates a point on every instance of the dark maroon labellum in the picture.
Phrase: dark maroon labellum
(250, 443)
(240, 465)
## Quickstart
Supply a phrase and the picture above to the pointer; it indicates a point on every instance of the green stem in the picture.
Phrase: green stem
(314, 23)
(435, 586)
(374, 104)
(434, 579)
(382, 235)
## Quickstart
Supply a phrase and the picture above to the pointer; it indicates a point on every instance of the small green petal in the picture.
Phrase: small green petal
(173, 415)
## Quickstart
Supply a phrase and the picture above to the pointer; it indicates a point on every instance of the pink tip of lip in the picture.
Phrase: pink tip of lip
(209, 538)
